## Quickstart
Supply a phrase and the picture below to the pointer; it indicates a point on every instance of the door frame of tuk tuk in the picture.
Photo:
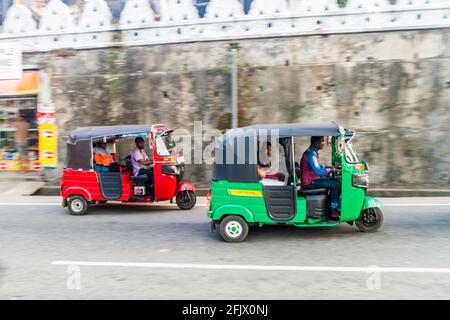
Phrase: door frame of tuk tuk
(80, 179)
(246, 198)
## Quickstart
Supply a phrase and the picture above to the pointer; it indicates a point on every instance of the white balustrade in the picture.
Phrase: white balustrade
(268, 8)
(137, 13)
(230, 9)
(95, 15)
(315, 6)
(179, 10)
(57, 18)
(224, 20)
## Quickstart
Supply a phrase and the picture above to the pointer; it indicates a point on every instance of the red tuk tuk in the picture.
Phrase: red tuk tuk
(83, 186)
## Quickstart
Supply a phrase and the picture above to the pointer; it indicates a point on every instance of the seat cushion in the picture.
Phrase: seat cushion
(311, 192)
(141, 178)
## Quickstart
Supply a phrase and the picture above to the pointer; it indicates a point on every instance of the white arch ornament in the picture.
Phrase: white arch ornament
(19, 19)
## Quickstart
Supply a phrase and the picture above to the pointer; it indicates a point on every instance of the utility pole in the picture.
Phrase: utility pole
(234, 48)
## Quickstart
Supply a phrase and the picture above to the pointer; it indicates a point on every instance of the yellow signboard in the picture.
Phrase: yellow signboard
(245, 193)
(48, 155)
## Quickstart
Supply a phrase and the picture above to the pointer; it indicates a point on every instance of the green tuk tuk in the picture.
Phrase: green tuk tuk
(238, 199)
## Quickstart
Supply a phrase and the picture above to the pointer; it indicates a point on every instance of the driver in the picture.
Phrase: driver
(315, 176)
(142, 164)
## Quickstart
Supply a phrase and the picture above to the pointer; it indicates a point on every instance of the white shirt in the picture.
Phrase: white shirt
(272, 182)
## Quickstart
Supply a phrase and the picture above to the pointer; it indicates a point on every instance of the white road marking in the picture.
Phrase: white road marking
(59, 204)
(369, 269)
(415, 204)
(29, 204)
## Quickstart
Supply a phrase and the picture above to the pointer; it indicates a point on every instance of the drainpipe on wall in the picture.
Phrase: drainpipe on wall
(234, 48)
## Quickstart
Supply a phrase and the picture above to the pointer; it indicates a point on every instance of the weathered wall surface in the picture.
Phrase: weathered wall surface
(392, 87)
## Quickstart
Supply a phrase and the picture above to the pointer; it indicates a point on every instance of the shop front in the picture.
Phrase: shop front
(28, 133)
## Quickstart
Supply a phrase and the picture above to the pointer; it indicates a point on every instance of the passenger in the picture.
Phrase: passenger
(314, 175)
(267, 180)
(102, 157)
(265, 165)
(142, 164)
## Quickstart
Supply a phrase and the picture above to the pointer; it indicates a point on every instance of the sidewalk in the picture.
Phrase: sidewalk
(25, 184)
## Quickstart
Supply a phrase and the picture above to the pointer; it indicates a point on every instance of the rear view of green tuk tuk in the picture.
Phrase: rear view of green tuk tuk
(239, 198)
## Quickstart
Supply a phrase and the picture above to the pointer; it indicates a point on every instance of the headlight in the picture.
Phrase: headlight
(360, 180)
(180, 160)
(171, 169)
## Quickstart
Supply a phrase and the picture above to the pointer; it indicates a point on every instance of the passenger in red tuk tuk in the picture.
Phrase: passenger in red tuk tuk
(102, 157)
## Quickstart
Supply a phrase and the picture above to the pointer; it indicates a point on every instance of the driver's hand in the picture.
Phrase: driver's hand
(333, 169)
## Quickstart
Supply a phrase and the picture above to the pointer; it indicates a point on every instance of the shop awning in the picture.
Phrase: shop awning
(28, 85)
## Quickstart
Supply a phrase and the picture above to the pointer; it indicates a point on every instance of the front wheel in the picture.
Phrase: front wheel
(371, 219)
(77, 205)
(233, 229)
(186, 199)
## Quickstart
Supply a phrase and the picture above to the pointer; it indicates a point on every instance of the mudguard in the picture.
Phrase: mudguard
(233, 209)
(183, 186)
(77, 190)
(371, 203)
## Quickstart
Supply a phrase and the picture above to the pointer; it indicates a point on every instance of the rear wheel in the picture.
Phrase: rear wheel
(186, 199)
(371, 219)
(233, 229)
(77, 205)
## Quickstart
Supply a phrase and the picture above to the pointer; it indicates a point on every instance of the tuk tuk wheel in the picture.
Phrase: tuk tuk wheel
(186, 199)
(233, 229)
(370, 220)
(77, 205)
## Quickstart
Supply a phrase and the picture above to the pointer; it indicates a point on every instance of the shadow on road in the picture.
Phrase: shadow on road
(128, 209)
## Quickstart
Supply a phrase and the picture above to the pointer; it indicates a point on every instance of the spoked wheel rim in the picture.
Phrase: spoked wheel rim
(185, 198)
(233, 229)
(77, 205)
(370, 218)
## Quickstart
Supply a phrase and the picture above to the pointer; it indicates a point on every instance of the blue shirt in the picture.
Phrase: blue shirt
(312, 156)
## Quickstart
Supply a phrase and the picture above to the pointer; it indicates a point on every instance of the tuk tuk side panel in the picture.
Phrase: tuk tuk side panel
(165, 185)
(126, 187)
(248, 196)
(300, 215)
(75, 181)
(352, 198)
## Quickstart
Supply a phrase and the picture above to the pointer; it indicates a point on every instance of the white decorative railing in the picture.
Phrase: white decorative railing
(224, 19)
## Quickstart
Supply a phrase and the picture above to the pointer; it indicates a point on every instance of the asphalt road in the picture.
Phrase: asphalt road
(171, 254)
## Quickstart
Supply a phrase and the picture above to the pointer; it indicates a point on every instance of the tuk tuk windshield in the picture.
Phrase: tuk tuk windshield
(350, 153)
(165, 145)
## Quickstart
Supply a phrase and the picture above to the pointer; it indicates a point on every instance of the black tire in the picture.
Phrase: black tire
(233, 229)
(77, 205)
(186, 199)
(370, 220)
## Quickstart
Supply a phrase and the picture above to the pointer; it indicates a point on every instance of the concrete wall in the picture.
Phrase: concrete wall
(392, 87)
